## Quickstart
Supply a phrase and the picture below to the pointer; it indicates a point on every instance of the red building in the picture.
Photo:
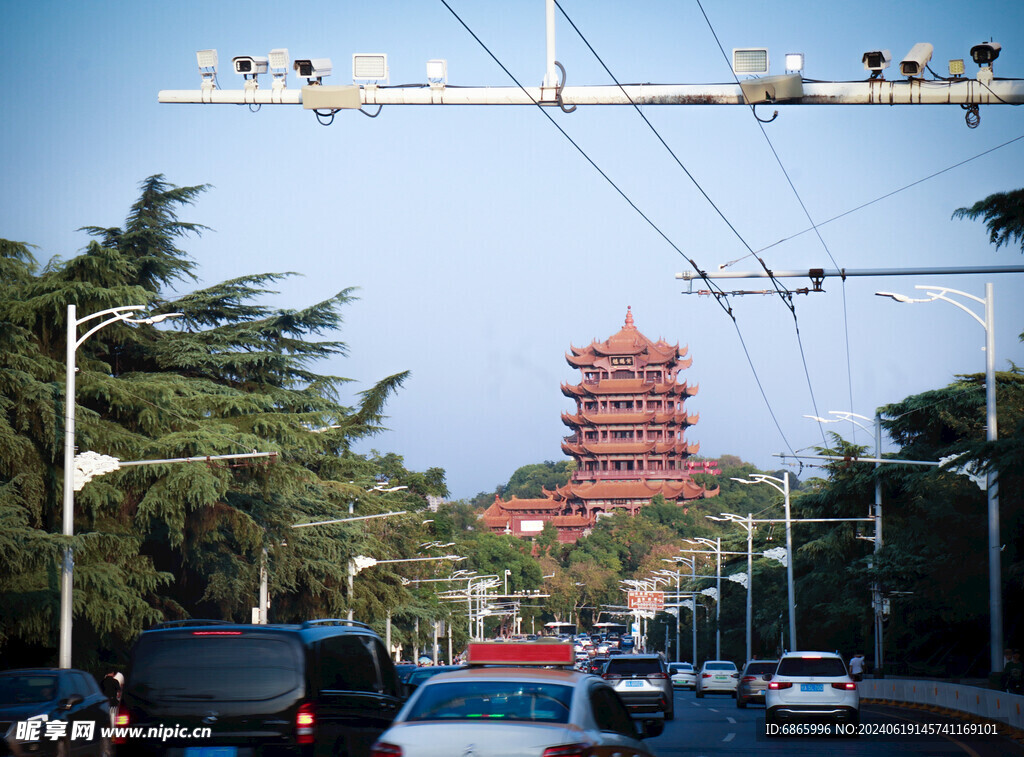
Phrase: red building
(628, 438)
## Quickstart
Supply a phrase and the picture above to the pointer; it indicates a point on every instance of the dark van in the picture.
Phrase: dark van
(326, 687)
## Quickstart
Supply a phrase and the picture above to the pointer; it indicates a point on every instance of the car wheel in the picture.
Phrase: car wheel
(700, 694)
(670, 714)
(740, 703)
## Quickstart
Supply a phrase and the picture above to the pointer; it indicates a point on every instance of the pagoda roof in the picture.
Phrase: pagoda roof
(628, 387)
(642, 489)
(516, 504)
(627, 341)
(628, 419)
(571, 521)
(610, 448)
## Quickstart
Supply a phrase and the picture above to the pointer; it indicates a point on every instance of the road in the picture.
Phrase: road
(714, 726)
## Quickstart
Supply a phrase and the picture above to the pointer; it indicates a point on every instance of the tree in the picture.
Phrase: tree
(1004, 217)
(231, 375)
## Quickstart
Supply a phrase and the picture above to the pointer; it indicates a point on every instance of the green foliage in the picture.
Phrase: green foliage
(1004, 217)
(530, 481)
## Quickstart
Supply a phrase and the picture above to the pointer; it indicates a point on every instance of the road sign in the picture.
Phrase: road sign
(647, 600)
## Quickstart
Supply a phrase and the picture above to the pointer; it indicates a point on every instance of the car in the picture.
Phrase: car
(811, 686)
(643, 683)
(323, 687)
(40, 696)
(752, 682)
(683, 675)
(597, 665)
(512, 702)
(717, 676)
(415, 678)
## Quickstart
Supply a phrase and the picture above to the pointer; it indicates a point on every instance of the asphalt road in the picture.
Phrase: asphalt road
(714, 726)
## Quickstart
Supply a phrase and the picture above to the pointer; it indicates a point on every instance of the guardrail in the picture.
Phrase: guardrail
(972, 700)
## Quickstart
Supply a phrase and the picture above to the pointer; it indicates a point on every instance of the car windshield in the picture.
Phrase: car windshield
(493, 700)
(219, 668)
(719, 666)
(419, 675)
(760, 668)
(627, 665)
(681, 667)
(27, 689)
(819, 667)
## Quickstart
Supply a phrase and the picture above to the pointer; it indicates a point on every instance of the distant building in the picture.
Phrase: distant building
(628, 439)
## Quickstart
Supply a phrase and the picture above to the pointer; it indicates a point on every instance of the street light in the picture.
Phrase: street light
(692, 562)
(782, 485)
(119, 314)
(716, 546)
(995, 595)
(876, 589)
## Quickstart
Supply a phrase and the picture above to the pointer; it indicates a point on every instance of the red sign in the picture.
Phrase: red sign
(520, 653)
(647, 600)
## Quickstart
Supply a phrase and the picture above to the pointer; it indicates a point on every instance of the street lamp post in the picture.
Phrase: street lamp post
(119, 314)
(716, 546)
(361, 562)
(995, 591)
(876, 587)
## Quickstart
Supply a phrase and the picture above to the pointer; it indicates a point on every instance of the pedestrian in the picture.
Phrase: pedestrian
(857, 667)
(111, 687)
(1013, 674)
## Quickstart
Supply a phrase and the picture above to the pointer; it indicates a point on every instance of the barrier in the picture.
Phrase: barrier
(941, 695)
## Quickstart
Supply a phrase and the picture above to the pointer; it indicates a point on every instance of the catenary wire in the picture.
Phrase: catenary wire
(720, 295)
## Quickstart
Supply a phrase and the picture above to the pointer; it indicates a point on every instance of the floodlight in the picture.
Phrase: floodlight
(750, 60)
(985, 53)
(313, 68)
(876, 60)
(915, 62)
(278, 62)
(956, 67)
(437, 71)
(207, 60)
(794, 62)
(370, 66)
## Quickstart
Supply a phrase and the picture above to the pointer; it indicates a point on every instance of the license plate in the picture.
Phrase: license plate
(211, 751)
(812, 687)
(634, 684)
(721, 678)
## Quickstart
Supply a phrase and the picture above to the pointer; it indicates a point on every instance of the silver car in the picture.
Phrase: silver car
(683, 675)
(717, 676)
(514, 712)
(643, 682)
(753, 682)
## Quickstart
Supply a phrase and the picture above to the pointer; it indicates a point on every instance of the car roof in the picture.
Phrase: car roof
(309, 630)
(813, 655)
(496, 673)
(37, 671)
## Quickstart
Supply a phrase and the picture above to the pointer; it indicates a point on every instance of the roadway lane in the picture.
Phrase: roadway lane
(715, 726)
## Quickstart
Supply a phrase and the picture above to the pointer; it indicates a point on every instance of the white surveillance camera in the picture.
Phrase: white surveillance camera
(985, 53)
(915, 62)
(313, 68)
(247, 65)
(876, 60)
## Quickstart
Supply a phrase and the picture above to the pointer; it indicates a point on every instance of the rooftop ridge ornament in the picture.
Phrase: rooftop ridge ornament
(629, 318)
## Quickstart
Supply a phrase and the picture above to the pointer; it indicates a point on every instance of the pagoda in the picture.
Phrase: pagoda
(628, 439)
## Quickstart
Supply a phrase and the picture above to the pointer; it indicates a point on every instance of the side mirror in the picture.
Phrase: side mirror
(650, 729)
(71, 701)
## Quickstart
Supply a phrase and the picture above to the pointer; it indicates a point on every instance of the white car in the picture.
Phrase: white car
(683, 675)
(489, 711)
(717, 676)
(812, 686)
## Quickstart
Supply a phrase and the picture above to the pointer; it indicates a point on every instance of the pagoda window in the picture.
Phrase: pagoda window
(591, 436)
(654, 375)
(604, 435)
(623, 374)
(590, 406)
(657, 405)
(622, 435)
(591, 376)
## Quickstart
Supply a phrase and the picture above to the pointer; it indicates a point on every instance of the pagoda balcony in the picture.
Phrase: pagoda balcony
(631, 475)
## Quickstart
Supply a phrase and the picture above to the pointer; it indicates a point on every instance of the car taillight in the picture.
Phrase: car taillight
(749, 678)
(659, 676)
(776, 685)
(121, 720)
(305, 724)
(846, 686)
(383, 749)
(565, 750)
(611, 677)
(705, 675)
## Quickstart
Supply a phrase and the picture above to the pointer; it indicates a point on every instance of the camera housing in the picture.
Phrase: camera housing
(312, 68)
(876, 60)
(249, 65)
(914, 63)
(985, 53)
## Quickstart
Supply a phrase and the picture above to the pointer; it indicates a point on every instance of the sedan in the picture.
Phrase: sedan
(717, 676)
(753, 682)
(683, 675)
(42, 701)
(491, 711)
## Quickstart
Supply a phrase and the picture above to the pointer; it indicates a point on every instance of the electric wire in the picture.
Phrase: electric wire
(796, 324)
(720, 296)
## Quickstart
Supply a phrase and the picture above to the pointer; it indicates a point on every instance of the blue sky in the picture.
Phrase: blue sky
(483, 245)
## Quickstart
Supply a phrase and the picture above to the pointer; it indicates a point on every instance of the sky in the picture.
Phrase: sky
(483, 245)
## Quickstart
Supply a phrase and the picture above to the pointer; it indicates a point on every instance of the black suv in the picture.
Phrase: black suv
(326, 687)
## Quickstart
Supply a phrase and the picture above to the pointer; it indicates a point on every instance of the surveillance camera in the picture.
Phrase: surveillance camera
(914, 62)
(313, 68)
(985, 53)
(876, 60)
(248, 65)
